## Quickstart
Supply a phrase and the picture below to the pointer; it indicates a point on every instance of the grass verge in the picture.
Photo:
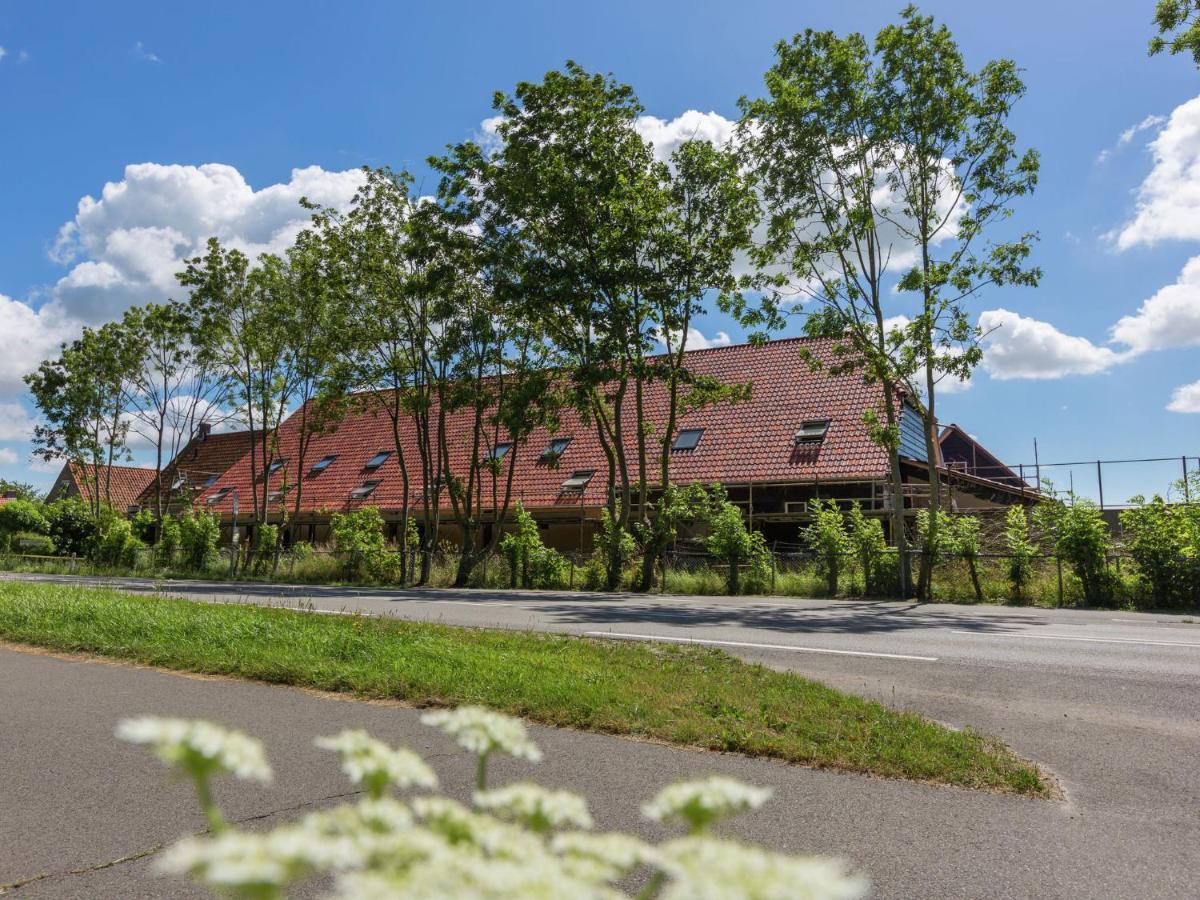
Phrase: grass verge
(685, 695)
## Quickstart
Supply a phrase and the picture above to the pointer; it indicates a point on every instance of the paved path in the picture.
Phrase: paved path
(1109, 701)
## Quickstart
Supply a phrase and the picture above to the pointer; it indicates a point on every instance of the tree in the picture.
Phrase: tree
(72, 526)
(1080, 537)
(869, 546)
(82, 398)
(730, 540)
(826, 536)
(821, 152)
(963, 541)
(23, 490)
(1178, 23)
(956, 171)
(1021, 551)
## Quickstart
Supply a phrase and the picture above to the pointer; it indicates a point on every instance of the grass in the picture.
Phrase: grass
(689, 696)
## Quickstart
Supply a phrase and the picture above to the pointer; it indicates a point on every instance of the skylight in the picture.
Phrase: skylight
(210, 481)
(219, 495)
(364, 490)
(812, 431)
(276, 466)
(378, 459)
(556, 448)
(687, 439)
(499, 451)
(578, 481)
(323, 463)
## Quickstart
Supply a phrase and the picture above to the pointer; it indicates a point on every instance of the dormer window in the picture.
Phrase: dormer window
(811, 431)
(378, 459)
(687, 439)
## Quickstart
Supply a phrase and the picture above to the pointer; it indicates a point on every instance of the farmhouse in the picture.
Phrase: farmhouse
(118, 486)
(801, 436)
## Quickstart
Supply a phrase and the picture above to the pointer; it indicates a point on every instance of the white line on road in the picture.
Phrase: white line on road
(1068, 637)
(679, 640)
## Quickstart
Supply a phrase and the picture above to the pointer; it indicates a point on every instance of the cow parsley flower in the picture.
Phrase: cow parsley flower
(536, 807)
(462, 827)
(700, 803)
(482, 732)
(601, 857)
(201, 748)
(255, 864)
(375, 765)
(702, 868)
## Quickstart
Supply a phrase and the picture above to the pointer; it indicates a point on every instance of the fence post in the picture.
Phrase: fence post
(571, 577)
(773, 565)
(1100, 482)
(1187, 491)
(72, 568)
(1058, 561)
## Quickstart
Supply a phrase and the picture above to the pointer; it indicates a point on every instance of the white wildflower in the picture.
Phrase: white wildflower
(199, 747)
(375, 765)
(236, 860)
(536, 807)
(482, 731)
(601, 857)
(463, 827)
(702, 868)
(700, 803)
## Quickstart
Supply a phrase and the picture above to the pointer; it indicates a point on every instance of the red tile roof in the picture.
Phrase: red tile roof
(202, 458)
(125, 483)
(742, 442)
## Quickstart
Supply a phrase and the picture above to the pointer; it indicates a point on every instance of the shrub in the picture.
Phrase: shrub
(33, 544)
(266, 547)
(143, 525)
(358, 537)
(616, 548)
(117, 545)
(961, 536)
(1021, 551)
(170, 539)
(867, 542)
(531, 563)
(735, 545)
(1080, 537)
(72, 526)
(1164, 541)
(199, 534)
(20, 515)
(827, 538)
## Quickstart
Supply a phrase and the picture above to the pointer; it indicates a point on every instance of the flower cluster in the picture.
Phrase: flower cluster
(700, 803)
(519, 841)
(375, 765)
(197, 745)
(482, 731)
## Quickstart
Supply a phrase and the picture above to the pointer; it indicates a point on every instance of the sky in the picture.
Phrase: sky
(133, 131)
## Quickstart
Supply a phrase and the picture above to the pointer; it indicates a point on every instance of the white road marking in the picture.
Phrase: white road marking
(680, 640)
(1068, 637)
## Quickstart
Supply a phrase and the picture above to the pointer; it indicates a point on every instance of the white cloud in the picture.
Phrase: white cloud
(140, 51)
(1186, 399)
(3, 53)
(128, 245)
(1127, 136)
(697, 341)
(667, 136)
(29, 337)
(1168, 200)
(1016, 346)
(15, 424)
(8, 456)
(1170, 318)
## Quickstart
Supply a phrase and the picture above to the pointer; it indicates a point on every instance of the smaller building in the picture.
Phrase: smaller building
(117, 486)
(197, 467)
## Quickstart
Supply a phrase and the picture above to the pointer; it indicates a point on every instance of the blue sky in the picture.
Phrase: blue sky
(267, 88)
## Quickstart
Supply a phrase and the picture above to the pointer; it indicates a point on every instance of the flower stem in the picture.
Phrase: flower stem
(653, 886)
(481, 773)
(216, 822)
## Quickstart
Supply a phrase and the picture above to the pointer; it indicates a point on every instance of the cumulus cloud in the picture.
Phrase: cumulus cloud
(696, 340)
(1127, 136)
(1170, 318)
(1186, 399)
(29, 337)
(8, 456)
(667, 136)
(127, 246)
(15, 423)
(1168, 200)
(1017, 346)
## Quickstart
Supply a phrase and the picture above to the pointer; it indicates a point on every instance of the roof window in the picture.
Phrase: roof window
(578, 481)
(499, 451)
(687, 439)
(219, 495)
(378, 459)
(210, 481)
(556, 448)
(364, 490)
(811, 431)
(322, 464)
(276, 466)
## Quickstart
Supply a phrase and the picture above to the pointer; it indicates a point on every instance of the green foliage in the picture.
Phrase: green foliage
(1178, 23)
(1164, 541)
(961, 539)
(1079, 535)
(20, 515)
(142, 523)
(730, 540)
(117, 546)
(199, 534)
(32, 543)
(826, 536)
(72, 526)
(615, 547)
(531, 563)
(170, 540)
(358, 536)
(265, 547)
(1021, 551)
(22, 490)
(865, 539)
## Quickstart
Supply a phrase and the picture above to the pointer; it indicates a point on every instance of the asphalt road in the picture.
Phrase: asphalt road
(1109, 702)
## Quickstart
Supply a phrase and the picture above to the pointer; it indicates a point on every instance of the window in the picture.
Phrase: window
(556, 448)
(276, 466)
(219, 495)
(210, 481)
(322, 464)
(687, 439)
(179, 482)
(364, 490)
(275, 496)
(499, 451)
(578, 481)
(378, 459)
(812, 431)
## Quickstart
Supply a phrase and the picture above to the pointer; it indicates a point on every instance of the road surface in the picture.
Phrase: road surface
(1108, 701)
